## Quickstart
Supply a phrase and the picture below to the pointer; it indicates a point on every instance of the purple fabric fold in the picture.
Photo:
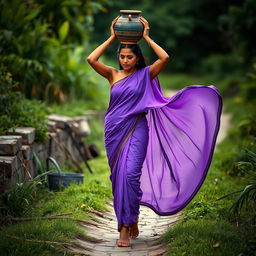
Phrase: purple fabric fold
(165, 160)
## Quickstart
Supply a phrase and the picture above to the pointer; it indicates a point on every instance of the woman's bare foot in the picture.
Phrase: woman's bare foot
(124, 240)
(134, 230)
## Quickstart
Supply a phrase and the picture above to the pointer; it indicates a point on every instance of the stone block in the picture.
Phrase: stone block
(28, 169)
(27, 152)
(61, 135)
(60, 157)
(46, 144)
(8, 165)
(81, 126)
(60, 120)
(42, 155)
(52, 144)
(33, 168)
(21, 165)
(51, 126)
(10, 144)
(27, 133)
(37, 147)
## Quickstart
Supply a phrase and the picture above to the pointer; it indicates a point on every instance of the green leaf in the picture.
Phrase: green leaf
(32, 14)
(63, 31)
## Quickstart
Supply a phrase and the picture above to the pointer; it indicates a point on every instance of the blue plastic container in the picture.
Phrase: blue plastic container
(59, 180)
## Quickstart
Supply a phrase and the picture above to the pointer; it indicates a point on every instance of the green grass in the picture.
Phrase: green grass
(176, 81)
(78, 199)
(94, 193)
(55, 230)
(205, 237)
(79, 107)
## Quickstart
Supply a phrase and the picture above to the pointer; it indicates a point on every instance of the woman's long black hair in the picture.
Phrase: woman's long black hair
(135, 48)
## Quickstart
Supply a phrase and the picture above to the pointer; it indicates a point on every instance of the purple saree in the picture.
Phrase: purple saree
(159, 148)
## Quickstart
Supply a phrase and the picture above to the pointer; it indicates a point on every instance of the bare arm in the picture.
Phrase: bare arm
(163, 57)
(93, 58)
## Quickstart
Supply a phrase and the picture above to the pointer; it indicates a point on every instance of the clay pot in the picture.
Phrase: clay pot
(128, 28)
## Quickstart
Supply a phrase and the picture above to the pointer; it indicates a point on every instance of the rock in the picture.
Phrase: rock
(27, 133)
(82, 126)
(51, 126)
(27, 152)
(8, 168)
(10, 145)
(60, 120)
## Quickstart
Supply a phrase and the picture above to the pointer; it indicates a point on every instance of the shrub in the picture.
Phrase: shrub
(18, 200)
(18, 111)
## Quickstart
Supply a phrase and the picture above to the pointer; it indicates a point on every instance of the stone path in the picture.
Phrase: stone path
(151, 225)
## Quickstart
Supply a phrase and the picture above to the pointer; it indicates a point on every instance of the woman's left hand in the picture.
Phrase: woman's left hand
(146, 27)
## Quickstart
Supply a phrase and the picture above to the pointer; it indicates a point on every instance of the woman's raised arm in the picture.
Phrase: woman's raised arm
(163, 57)
(93, 58)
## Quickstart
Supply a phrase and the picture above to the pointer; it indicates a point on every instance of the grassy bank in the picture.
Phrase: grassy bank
(36, 237)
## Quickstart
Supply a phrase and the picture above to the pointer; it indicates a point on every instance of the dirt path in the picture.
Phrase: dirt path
(151, 225)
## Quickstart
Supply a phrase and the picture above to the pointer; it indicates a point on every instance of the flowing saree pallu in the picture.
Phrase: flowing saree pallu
(159, 148)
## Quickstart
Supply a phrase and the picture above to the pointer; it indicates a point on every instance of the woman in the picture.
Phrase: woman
(159, 148)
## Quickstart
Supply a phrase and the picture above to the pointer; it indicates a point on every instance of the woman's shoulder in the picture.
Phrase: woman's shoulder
(145, 69)
(116, 76)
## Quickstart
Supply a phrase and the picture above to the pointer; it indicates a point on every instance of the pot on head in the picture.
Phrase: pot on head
(128, 28)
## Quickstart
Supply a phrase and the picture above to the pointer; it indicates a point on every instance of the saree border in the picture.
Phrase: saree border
(126, 138)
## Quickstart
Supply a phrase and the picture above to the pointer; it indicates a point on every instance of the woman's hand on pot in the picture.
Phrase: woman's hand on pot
(146, 27)
(112, 32)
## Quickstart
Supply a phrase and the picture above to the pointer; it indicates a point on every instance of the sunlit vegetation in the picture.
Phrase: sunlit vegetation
(43, 69)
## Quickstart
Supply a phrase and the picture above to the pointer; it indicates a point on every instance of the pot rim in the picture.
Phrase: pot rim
(131, 11)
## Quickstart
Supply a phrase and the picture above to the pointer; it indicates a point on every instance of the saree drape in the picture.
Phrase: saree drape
(159, 148)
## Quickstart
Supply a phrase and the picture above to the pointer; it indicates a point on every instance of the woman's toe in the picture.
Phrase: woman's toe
(123, 243)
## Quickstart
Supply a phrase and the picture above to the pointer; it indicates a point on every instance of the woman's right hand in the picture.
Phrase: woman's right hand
(112, 32)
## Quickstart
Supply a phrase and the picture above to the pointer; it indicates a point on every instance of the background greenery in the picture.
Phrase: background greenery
(44, 45)
(43, 69)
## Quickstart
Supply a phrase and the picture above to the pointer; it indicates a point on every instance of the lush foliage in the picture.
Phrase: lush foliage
(19, 199)
(192, 32)
(19, 111)
(239, 26)
(44, 45)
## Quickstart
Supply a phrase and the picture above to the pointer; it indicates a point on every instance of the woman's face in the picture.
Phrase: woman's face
(127, 59)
